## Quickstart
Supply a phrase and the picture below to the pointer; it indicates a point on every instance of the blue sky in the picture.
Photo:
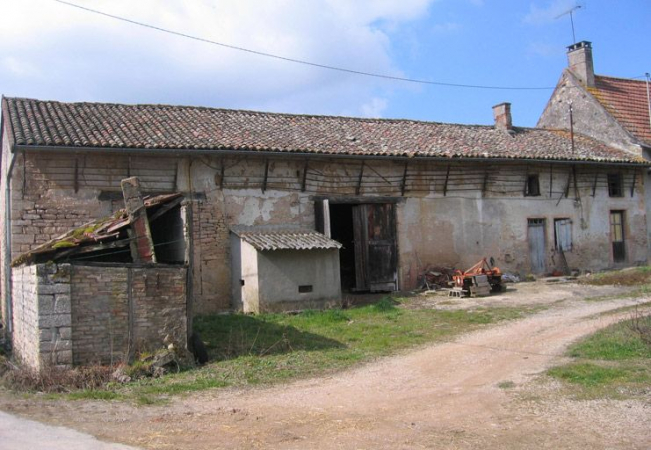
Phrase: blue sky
(52, 51)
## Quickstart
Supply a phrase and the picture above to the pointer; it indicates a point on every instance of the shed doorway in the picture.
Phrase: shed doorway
(368, 259)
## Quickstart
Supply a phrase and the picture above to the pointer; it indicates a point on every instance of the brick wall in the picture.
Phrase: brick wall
(73, 314)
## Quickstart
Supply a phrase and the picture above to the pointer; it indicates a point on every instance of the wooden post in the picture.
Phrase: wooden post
(304, 180)
(142, 244)
(358, 188)
(403, 186)
(266, 175)
(447, 178)
(633, 184)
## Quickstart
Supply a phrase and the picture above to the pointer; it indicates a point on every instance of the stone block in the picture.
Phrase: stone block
(65, 333)
(64, 357)
(62, 304)
(54, 289)
(55, 320)
(45, 334)
(45, 304)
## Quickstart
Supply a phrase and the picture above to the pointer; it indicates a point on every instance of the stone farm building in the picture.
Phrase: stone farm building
(615, 111)
(395, 195)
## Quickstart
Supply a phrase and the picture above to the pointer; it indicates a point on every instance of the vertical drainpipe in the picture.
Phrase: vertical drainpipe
(7, 266)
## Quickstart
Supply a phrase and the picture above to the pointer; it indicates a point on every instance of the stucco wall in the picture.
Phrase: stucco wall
(281, 272)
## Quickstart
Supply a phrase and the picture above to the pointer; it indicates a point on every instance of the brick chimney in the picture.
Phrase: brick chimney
(502, 116)
(579, 58)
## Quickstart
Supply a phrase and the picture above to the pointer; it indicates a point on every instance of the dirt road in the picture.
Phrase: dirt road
(443, 396)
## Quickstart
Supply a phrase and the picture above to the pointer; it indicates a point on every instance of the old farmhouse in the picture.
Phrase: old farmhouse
(615, 111)
(389, 196)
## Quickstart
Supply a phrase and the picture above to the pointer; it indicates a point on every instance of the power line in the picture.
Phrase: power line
(300, 61)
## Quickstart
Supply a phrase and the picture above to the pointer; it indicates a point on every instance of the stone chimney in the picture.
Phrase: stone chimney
(579, 58)
(502, 116)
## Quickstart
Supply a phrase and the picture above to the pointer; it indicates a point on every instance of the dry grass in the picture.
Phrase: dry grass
(53, 379)
(633, 276)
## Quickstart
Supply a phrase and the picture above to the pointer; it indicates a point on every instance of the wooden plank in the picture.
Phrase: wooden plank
(360, 240)
(266, 175)
(142, 245)
(358, 188)
(165, 208)
(303, 182)
(594, 185)
(403, 186)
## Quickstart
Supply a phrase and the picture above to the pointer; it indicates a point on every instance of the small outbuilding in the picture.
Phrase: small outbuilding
(283, 269)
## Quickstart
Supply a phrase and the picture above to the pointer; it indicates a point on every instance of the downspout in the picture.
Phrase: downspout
(7, 266)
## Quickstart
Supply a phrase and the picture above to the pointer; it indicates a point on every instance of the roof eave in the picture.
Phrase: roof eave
(313, 155)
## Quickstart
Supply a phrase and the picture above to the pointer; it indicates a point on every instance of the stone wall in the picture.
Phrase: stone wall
(42, 315)
(81, 314)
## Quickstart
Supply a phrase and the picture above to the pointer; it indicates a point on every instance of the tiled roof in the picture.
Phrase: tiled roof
(627, 101)
(288, 239)
(100, 125)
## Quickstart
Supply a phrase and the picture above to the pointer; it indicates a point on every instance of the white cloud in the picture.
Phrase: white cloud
(542, 15)
(94, 58)
(374, 108)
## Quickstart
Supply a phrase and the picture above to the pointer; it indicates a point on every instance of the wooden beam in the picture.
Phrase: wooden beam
(163, 209)
(221, 173)
(358, 188)
(142, 244)
(266, 175)
(576, 184)
(304, 180)
(447, 178)
(594, 184)
(93, 248)
(633, 184)
(76, 175)
(567, 185)
(484, 185)
(403, 186)
(551, 180)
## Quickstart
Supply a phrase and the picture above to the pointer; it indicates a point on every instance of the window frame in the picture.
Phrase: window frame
(532, 181)
(615, 185)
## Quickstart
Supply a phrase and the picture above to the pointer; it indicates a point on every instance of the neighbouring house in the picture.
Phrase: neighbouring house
(615, 111)
(398, 195)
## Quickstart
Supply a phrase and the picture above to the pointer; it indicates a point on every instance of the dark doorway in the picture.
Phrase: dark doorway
(617, 236)
(341, 227)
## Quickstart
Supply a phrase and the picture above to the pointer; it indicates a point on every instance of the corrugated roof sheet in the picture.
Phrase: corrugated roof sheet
(289, 239)
(627, 101)
(102, 125)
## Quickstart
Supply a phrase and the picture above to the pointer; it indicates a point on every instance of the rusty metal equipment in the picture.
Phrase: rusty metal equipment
(479, 280)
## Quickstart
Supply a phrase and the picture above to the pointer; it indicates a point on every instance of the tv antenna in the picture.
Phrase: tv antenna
(571, 14)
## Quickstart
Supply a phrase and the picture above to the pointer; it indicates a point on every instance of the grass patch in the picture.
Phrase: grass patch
(249, 350)
(611, 363)
(633, 276)
(506, 385)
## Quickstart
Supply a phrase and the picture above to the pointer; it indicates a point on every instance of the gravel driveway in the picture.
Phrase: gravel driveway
(442, 396)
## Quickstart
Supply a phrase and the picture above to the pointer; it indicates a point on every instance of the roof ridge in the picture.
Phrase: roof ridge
(251, 111)
(620, 78)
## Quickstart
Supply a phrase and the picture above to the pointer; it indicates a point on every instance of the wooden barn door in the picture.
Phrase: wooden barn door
(375, 247)
(536, 236)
